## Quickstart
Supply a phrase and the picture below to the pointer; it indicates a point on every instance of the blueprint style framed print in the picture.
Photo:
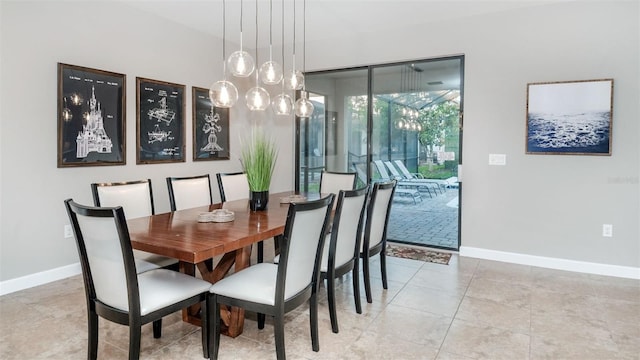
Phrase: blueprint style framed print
(210, 128)
(160, 108)
(570, 117)
(91, 117)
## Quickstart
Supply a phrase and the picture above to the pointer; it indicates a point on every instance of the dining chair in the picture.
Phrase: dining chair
(234, 186)
(275, 289)
(136, 197)
(332, 181)
(341, 249)
(189, 192)
(375, 233)
(115, 290)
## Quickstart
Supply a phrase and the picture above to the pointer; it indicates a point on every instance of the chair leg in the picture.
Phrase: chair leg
(214, 326)
(260, 252)
(157, 329)
(356, 287)
(92, 352)
(331, 295)
(365, 275)
(205, 326)
(278, 329)
(134, 341)
(313, 316)
(383, 268)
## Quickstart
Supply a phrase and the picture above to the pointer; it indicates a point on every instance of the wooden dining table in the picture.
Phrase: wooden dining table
(179, 235)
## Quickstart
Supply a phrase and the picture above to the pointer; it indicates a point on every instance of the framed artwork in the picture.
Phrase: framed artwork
(210, 128)
(570, 117)
(160, 108)
(91, 117)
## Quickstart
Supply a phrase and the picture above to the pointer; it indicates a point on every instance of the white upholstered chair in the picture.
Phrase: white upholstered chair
(375, 232)
(136, 198)
(233, 186)
(332, 182)
(189, 192)
(342, 247)
(275, 289)
(115, 290)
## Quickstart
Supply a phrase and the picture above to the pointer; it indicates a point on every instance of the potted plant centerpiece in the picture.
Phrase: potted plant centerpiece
(258, 157)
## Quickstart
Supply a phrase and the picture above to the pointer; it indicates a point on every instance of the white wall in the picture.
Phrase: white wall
(549, 206)
(35, 36)
(537, 205)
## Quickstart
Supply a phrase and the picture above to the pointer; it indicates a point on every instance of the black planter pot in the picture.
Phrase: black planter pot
(258, 200)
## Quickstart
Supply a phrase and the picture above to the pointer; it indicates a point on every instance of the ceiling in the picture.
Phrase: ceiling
(325, 19)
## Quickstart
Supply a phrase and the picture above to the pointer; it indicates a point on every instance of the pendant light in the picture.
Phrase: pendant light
(258, 98)
(282, 104)
(304, 107)
(223, 93)
(271, 71)
(294, 80)
(240, 62)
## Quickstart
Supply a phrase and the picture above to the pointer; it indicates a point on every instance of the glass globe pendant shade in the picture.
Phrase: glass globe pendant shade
(258, 99)
(303, 107)
(241, 63)
(294, 80)
(271, 73)
(223, 94)
(282, 104)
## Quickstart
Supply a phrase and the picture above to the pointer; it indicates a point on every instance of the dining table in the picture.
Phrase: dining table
(179, 234)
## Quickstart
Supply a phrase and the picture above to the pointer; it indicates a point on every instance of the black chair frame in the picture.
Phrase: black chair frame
(381, 247)
(281, 306)
(170, 180)
(133, 317)
(96, 197)
(350, 266)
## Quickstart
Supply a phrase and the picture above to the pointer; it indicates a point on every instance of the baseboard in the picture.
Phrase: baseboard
(552, 263)
(29, 281)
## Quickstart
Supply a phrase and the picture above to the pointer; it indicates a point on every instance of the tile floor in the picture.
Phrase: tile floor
(469, 309)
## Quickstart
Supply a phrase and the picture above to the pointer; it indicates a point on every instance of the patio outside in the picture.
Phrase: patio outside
(430, 222)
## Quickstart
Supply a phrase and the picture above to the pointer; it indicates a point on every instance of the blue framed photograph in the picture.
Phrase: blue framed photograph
(570, 117)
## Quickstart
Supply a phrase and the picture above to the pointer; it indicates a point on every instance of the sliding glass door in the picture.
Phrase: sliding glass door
(395, 121)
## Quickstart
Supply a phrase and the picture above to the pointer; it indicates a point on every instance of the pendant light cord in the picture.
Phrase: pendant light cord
(270, 29)
(304, 38)
(294, 36)
(283, 45)
(224, 36)
(257, 41)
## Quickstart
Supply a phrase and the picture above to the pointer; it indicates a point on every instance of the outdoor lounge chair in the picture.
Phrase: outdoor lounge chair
(403, 188)
(440, 184)
(425, 185)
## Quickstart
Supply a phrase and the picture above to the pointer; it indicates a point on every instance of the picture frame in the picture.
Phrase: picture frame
(91, 117)
(210, 128)
(160, 129)
(570, 117)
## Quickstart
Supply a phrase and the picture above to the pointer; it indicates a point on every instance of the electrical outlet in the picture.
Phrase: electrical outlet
(67, 231)
(607, 230)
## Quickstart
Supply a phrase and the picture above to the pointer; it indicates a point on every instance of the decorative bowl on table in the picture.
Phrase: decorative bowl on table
(218, 215)
(292, 198)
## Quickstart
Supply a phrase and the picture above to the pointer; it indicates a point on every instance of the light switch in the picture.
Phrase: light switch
(497, 159)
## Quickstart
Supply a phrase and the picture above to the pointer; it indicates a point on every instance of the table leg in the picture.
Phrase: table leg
(233, 318)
